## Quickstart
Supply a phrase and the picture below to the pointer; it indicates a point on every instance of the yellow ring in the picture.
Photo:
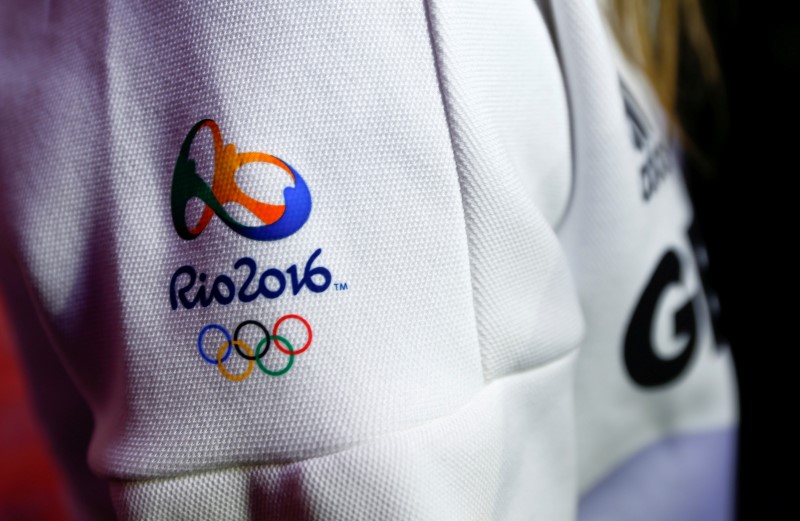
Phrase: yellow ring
(250, 363)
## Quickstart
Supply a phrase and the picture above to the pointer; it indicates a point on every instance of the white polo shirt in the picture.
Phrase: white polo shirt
(356, 260)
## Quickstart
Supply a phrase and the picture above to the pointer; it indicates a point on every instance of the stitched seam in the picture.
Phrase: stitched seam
(354, 446)
(449, 118)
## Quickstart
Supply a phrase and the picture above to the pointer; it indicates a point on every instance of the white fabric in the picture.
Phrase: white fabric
(472, 182)
(614, 239)
(488, 460)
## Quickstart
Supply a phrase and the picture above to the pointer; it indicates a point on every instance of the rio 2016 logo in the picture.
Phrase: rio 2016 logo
(280, 221)
(187, 287)
(253, 356)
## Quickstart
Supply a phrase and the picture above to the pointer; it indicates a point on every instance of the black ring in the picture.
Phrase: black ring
(236, 337)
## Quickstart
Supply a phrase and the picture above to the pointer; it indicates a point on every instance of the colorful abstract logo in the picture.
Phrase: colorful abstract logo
(280, 220)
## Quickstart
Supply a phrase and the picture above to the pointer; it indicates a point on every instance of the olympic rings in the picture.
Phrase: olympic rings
(229, 343)
(246, 352)
(275, 333)
(288, 365)
(258, 325)
(225, 373)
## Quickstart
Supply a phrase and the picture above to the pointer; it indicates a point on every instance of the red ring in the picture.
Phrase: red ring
(278, 344)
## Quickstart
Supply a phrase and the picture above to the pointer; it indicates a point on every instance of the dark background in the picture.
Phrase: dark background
(742, 183)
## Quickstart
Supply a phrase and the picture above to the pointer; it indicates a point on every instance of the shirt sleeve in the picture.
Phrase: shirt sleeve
(299, 260)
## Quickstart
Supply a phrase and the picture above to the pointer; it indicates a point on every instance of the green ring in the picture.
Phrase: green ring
(263, 367)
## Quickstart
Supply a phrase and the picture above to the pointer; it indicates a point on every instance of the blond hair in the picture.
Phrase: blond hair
(650, 33)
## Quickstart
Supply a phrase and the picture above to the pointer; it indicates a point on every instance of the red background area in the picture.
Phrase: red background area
(30, 487)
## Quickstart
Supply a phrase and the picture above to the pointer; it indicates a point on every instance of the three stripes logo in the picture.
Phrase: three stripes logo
(658, 156)
(640, 127)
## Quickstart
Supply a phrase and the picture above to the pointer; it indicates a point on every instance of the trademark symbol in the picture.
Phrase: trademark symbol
(340, 286)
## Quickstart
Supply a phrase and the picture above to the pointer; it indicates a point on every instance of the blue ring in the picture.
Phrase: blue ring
(200, 343)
